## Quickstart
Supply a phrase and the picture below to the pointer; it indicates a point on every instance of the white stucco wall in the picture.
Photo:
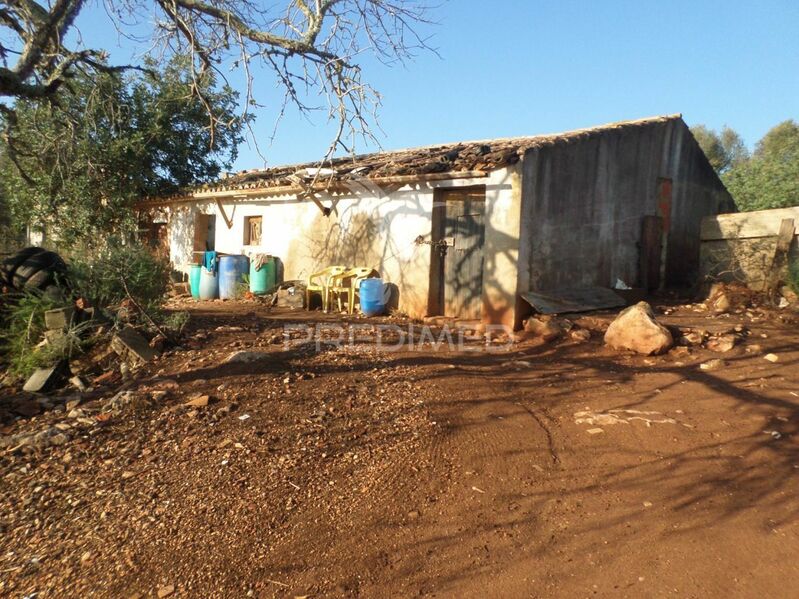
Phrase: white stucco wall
(370, 227)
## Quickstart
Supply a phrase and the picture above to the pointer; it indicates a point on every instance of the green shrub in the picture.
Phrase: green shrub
(242, 288)
(174, 322)
(107, 276)
(793, 275)
(22, 330)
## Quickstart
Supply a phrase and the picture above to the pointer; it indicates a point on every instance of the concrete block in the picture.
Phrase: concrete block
(78, 383)
(45, 379)
(286, 299)
(60, 318)
(54, 336)
(129, 342)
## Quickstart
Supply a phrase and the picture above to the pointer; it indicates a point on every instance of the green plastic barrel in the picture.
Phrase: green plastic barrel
(262, 280)
(194, 280)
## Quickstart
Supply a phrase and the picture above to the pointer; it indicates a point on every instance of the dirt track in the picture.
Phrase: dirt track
(359, 473)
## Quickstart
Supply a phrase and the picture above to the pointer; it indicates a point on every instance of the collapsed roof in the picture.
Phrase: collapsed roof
(476, 157)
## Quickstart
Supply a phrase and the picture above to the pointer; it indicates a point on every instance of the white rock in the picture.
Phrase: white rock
(714, 364)
(246, 356)
(636, 329)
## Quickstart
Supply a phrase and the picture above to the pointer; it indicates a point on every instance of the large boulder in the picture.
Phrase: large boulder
(636, 329)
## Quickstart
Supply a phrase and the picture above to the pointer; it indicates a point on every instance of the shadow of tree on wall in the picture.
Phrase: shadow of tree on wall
(366, 231)
(370, 227)
(381, 233)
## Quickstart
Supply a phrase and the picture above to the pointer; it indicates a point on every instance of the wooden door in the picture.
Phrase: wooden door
(650, 253)
(464, 234)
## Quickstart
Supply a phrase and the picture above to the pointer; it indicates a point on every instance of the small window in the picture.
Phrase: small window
(252, 230)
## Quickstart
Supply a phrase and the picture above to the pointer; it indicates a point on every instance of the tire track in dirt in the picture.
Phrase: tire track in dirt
(544, 427)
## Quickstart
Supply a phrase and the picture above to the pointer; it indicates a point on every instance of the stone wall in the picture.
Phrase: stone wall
(740, 247)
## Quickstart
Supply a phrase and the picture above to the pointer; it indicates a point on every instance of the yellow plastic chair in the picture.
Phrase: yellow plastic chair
(348, 284)
(319, 282)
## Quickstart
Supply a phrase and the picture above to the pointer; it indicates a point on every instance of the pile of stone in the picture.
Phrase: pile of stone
(113, 356)
(719, 339)
(545, 328)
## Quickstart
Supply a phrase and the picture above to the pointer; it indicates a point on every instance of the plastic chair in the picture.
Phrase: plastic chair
(319, 282)
(348, 284)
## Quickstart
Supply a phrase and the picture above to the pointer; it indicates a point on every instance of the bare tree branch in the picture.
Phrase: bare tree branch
(313, 47)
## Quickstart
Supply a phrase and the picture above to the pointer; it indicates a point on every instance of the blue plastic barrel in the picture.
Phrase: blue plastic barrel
(231, 275)
(372, 302)
(209, 284)
(194, 280)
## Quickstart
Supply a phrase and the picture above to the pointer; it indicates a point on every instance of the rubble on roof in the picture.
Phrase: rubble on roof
(480, 156)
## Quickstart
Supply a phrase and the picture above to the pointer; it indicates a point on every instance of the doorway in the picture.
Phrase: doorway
(456, 266)
(204, 232)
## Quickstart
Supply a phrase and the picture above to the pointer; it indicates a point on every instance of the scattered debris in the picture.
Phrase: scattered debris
(580, 334)
(719, 303)
(619, 416)
(713, 364)
(243, 356)
(546, 328)
(45, 379)
(722, 344)
(78, 382)
(566, 300)
(290, 297)
(130, 345)
(165, 591)
(772, 358)
(723, 298)
(200, 401)
(355, 414)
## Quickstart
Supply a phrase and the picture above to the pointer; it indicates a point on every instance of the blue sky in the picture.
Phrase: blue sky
(521, 67)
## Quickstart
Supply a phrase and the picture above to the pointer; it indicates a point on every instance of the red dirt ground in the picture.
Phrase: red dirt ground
(360, 473)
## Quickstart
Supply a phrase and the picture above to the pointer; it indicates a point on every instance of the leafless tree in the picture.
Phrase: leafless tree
(315, 48)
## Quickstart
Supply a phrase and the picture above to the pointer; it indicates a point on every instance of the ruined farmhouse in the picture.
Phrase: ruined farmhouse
(462, 229)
